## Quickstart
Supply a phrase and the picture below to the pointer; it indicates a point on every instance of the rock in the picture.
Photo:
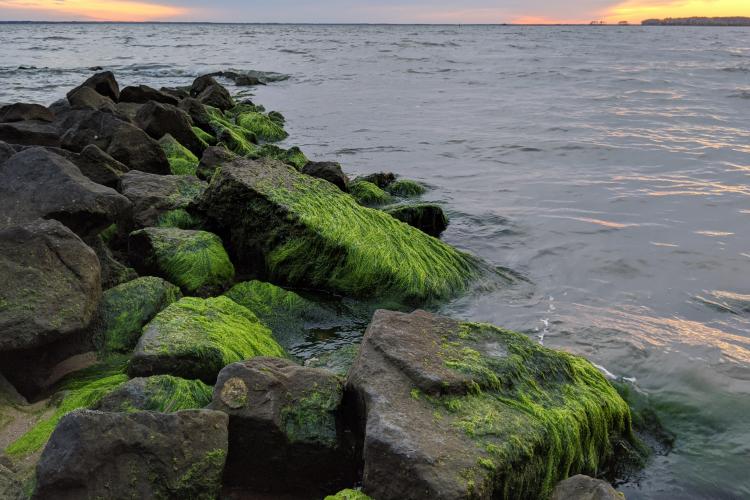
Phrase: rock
(155, 196)
(121, 140)
(162, 393)
(201, 83)
(10, 486)
(195, 338)
(348, 494)
(37, 183)
(285, 426)
(158, 119)
(197, 113)
(330, 171)
(50, 284)
(95, 454)
(128, 110)
(88, 98)
(405, 188)
(193, 260)
(293, 156)
(296, 229)
(462, 410)
(103, 83)
(217, 97)
(426, 217)
(143, 93)
(179, 93)
(95, 164)
(181, 160)
(213, 158)
(380, 179)
(30, 133)
(368, 194)
(21, 111)
(126, 308)
(582, 487)
(265, 127)
(114, 272)
(6, 151)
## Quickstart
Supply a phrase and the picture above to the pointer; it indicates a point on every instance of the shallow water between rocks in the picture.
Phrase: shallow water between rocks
(609, 166)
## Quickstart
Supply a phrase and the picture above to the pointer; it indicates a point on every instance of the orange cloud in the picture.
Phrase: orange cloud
(637, 10)
(98, 10)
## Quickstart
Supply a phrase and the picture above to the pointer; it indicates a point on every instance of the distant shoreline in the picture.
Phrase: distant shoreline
(647, 23)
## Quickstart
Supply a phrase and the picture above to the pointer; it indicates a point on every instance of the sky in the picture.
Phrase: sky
(368, 11)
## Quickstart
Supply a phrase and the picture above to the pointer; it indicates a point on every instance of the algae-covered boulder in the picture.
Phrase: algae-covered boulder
(181, 160)
(96, 454)
(307, 232)
(405, 188)
(163, 393)
(155, 196)
(426, 217)
(264, 127)
(194, 260)
(368, 194)
(380, 179)
(458, 410)
(293, 156)
(348, 494)
(126, 308)
(195, 338)
(50, 286)
(582, 487)
(285, 426)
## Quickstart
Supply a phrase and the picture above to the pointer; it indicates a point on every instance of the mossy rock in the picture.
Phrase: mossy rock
(426, 217)
(181, 160)
(308, 233)
(405, 188)
(230, 135)
(206, 138)
(126, 308)
(158, 199)
(162, 393)
(464, 410)
(195, 338)
(368, 194)
(194, 260)
(263, 126)
(293, 156)
(348, 494)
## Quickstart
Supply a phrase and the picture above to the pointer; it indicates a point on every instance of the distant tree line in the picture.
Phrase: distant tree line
(698, 21)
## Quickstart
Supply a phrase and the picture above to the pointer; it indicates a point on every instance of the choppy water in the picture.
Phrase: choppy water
(610, 166)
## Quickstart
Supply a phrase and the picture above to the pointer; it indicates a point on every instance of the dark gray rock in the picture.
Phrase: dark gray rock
(10, 486)
(143, 94)
(114, 272)
(37, 183)
(23, 111)
(285, 426)
(197, 113)
(95, 164)
(202, 83)
(88, 98)
(6, 151)
(380, 179)
(103, 83)
(153, 196)
(178, 93)
(30, 133)
(328, 170)
(426, 217)
(213, 158)
(158, 119)
(128, 110)
(51, 287)
(209, 92)
(148, 455)
(582, 487)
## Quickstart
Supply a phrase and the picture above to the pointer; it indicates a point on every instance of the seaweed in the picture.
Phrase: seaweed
(368, 194)
(405, 188)
(263, 126)
(181, 160)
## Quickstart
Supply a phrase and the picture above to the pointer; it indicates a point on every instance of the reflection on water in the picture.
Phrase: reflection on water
(608, 166)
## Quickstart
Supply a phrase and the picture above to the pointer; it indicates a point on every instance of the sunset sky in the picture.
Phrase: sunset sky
(371, 11)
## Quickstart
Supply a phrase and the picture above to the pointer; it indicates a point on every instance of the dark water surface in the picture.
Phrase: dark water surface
(610, 166)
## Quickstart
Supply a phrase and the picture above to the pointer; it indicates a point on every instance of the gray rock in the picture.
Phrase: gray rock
(213, 158)
(95, 164)
(380, 179)
(37, 183)
(328, 170)
(582, 487)
(30, 133)
(128, 110)
(6, 151)
(143, 94)
(103, 83)
(427, 217)
(114, 272)
(50, 287)
(285, 426)
(146, 455)
(209, 92)
(88, 98)
(22, 111)
(154, 196)
(197, 113)
(10, 486)
(158, 119)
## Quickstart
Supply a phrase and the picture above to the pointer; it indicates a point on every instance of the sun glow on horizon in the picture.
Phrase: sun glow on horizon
(636, 11)
(99, 10)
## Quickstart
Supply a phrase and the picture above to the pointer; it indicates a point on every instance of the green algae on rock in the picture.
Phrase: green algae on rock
(348, 494)
(205, 137)
(463, 410)
(194, 260)
(405, 188)
(230, 135)
(181, 160)
(292, 156)
(179, 218)
(263, 126)
(368, 194)
(195, 338)
(126, 308)
(162, 393)
(309, 233)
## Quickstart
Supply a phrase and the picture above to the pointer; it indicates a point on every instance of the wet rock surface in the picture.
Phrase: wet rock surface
(154, 196)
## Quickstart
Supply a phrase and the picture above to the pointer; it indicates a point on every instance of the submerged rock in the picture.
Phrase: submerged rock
(103, 83)
(155, 196)
(158, 119)
(459, 410)
(38, 183)
(95, 454)
(195, 338)
(143, 93)
(162, 393)
(582, 487)
(285, 426)
(22, 111)
(426, 217)
(126, 308)
(305, 231)
(330, 171)
(368, 194)
(194, 260)
(50, 286)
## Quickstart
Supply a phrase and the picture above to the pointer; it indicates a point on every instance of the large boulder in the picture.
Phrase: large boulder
(155, 197)
(195, 338)
(450, 410)
(30, 133)
(39, 183)
(197, 112)
(95, 454)
(103, 83)
(88, 98)
(194, 260)
(213, 157)
(287, 434)
(22, 111)
(126, 308)
(304, 231)
(143, 93)
(158, 119)
(163, 393)
(427, 217)
(210, 93)
(328, 170)
(50, 284)
(582, 487)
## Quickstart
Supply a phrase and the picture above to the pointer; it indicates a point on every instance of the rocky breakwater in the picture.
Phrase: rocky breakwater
(164, 260)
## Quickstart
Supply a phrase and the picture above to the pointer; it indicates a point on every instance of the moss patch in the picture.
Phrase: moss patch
(162, 393)
(293, 156)
(181, 160)
(368, 194)
(312, 418)
(179, 218)
(205, 137)
(230, 135)
(263, 126)
(348, 494)
(405, 188)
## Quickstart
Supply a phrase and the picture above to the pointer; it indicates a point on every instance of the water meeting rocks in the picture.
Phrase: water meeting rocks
(426, 217)
(94, 454)
(328, 170)
(303, 230)
(452, 410)
(38, 183)
(286, 427)
(103, 83)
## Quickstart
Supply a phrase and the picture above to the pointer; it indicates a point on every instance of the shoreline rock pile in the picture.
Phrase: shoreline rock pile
(164, 260)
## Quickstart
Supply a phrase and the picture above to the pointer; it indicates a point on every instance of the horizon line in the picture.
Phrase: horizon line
(333, 23)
